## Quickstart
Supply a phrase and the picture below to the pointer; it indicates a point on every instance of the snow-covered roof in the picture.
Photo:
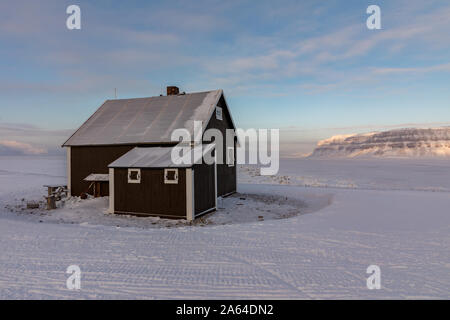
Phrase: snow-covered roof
(158, 157)
(97, 177)
(145, 120)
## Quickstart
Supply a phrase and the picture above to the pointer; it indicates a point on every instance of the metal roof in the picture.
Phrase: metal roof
(158, 157)
(97, 177)
(145, 120)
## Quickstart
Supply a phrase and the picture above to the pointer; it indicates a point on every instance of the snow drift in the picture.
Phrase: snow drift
(411, 142)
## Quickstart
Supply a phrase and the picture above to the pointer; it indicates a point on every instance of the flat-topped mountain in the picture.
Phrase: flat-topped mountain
(410, 142)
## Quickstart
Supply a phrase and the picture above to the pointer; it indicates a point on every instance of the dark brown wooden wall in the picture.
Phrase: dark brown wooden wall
(95, 159)
(226, 176)
(92, 159)
(152, 196)
(204, 187)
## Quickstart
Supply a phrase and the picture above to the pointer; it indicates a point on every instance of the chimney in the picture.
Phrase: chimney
(172, 90)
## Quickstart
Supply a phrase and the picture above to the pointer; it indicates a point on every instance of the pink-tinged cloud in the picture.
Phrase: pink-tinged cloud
(436, 68)
(21, 147)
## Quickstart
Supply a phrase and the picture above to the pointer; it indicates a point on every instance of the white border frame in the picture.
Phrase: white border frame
(190, 200)
(69, 171)
(138, 174)
(219, 113)
(232, 164)
(111, 190)
(167, 181)
(215, 174)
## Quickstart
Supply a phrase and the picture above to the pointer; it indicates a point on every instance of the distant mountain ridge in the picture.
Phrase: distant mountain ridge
(409, 142)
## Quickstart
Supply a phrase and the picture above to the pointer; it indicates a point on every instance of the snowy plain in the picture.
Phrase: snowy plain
(350, 214)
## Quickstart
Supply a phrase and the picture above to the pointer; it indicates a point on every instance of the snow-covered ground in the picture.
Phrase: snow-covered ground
(342, 216)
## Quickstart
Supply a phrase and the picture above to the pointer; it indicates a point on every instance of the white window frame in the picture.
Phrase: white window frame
(138, 180)
(230, 159)
(167, 181)
(219, 113)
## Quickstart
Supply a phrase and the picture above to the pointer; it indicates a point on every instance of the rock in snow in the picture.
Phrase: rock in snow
(411, 142)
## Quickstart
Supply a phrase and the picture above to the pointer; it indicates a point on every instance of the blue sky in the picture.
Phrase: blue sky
(310, 68)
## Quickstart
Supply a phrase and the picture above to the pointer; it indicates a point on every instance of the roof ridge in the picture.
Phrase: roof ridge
(163, 96)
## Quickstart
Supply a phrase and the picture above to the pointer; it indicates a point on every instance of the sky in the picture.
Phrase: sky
(309, 68)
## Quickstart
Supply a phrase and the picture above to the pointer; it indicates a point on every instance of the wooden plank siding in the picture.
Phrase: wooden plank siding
(94, 159)
(152, 196)
(204, 186)
(226, 176)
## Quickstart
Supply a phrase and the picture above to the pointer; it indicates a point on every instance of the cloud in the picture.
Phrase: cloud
(216, 42)
(23, 18)
(12, 147)
(22, 138)
(435, 68)
(346, 55)
(292, 51)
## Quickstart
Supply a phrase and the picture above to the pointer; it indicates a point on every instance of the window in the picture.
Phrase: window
(171, 176)
(134, 175)
(219, 113)
(230, 156)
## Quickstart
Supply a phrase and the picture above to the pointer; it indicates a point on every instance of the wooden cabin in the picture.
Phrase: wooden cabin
(125, 138)
(145, 181)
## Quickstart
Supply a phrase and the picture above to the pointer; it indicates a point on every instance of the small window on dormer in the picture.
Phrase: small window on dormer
(219, 113)
(134, 175)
